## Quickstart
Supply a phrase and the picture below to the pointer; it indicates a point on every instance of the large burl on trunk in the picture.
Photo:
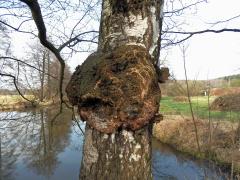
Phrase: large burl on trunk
(117, 93)
(118, 96)
(116, 90)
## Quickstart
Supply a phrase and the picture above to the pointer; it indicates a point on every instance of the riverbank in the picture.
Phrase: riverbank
(221, 145)
(16, 102)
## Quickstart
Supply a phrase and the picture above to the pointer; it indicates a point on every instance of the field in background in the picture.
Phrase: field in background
(16, 102)
(169, 106)
(13, 99)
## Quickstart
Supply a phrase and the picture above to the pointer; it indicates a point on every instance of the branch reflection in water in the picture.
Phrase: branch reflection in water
(33, 146)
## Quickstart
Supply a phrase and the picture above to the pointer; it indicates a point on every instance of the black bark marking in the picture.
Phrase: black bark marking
(119, 6)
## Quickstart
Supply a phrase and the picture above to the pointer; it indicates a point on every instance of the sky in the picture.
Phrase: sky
(208, 56)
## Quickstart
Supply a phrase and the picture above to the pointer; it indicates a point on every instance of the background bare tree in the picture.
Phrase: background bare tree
(66, 31)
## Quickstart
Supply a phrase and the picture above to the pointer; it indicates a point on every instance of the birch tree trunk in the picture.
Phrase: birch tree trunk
(117, 93)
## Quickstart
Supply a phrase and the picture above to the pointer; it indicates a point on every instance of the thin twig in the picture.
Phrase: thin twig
(189, 99)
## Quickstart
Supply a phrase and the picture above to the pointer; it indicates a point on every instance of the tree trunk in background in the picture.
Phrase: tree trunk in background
(42, 77)
(49, 89)
(117, 93)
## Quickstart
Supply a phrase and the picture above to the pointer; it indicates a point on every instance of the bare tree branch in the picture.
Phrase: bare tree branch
(224, 21)
(17, 29)
(183, 48)
(205, 31)
(18, 60)
(38, 19)
(183, 8)
(190, 34)
(15, 84)
(76, 38)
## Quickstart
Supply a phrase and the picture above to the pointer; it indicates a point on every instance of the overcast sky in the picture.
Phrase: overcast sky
(209, 55)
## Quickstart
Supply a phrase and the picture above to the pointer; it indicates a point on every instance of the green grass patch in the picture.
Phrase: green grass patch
(200, 109)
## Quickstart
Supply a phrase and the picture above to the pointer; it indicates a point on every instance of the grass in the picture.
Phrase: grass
(10, 102)
(12, 99)
(200, 107)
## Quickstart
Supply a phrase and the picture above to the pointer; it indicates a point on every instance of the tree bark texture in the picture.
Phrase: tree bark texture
(117, 93)
(117, 156)
(128, 22)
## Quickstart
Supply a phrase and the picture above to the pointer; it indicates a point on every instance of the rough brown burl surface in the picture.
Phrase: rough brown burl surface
(116, 90)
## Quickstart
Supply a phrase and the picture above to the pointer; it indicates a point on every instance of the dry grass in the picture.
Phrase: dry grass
(16, 102)
(13, 102)
(180, 99)
(11, 99)
(223, 147)
(229, 102)
(224, 91)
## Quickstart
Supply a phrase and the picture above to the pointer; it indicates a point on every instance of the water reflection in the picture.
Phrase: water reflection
(30, 141)
(33, 147)
(171, 164)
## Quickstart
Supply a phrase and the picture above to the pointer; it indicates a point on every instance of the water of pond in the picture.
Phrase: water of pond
(34, 147)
